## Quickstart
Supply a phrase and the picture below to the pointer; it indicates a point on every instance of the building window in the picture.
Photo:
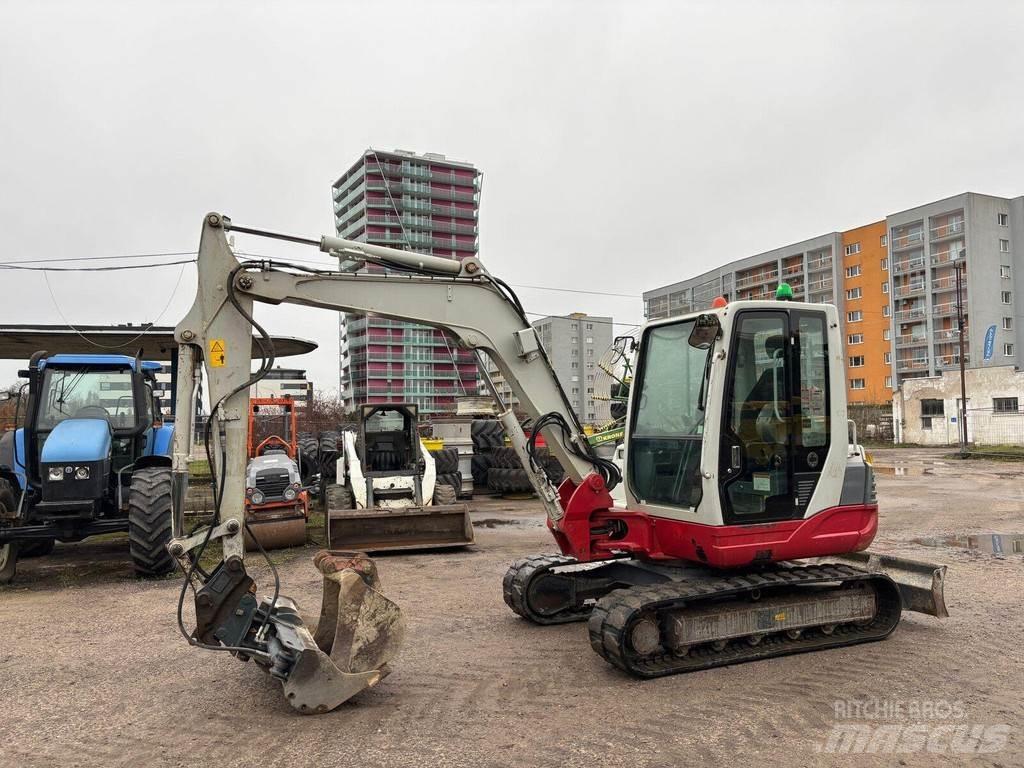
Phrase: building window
(853, 271)
(885, 263)
(888, 382)
(1004, 246)
(590, 326)
(572, 326)
(888, 358)
(590, 366)
(853, 293)
(853, 317)
(575, 364)
(1004, 271)
(1007, 350)
(590, 339)
(1004, 404)
(1006, 297)
(575, 340)
(856, 383)
(885, 287)
(855, 338)
(886, 334)
(1007, 323)
(1002, 219)
(883, 241)
(576, 378)
(886, 311)
(857, 361)
(852, 248)
(575, 390)
(930, 409)
(590, 352)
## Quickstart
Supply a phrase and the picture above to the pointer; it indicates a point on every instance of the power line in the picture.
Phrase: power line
(97, 269)
(99, 258)
(578, 290)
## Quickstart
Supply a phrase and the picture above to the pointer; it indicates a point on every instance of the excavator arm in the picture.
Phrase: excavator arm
(460, 298)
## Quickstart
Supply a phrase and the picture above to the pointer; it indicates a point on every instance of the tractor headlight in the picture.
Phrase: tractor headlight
(81, 473)
(55, 473)
(258, 497)
(289, 494)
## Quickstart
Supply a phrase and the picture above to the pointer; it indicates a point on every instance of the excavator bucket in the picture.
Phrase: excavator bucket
(358, 633)
(386, 530)
(921, 584)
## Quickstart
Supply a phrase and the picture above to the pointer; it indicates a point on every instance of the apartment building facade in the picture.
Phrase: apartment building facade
(895, 289)
(575, 345)
(425, 203)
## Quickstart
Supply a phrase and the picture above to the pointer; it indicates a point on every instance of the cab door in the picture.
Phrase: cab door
(775, 424)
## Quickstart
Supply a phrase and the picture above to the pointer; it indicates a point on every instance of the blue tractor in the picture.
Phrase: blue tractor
(92, 456)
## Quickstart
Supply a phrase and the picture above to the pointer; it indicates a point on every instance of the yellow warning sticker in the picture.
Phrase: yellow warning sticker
(218, 353)
(780, 616)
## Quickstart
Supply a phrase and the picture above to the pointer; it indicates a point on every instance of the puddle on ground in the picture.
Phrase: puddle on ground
(493, 522)
(901, 470)
(991, 543)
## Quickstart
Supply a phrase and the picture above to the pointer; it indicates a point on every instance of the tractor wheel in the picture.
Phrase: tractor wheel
(37, 548)
(481, 462)
(444, 495)
(8, 552)
(149, 521)
(339, 497)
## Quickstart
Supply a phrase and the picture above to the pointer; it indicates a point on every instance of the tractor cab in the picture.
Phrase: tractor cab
(95, 415)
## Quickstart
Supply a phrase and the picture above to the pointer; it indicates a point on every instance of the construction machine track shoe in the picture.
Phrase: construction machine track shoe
(684, 626)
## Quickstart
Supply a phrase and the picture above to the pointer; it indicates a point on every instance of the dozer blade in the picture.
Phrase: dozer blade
(921, 584)
(384, 530)
(359, 632)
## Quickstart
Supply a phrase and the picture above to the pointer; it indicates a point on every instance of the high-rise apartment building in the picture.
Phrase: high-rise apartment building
(424, 203)
(894, 282)
(574, 344)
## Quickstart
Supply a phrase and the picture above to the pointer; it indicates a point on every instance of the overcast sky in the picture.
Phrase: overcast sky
(623, 145)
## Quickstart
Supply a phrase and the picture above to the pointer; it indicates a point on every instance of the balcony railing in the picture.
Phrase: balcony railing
(949, 308)
(908, 340)
(749, 280)
(798, 269)
(944, 257)
(819, 285)
(912, 364)
(948, 334)
(907, 240)
(906, 290)
(914, 313)
(951, 361)
(816, 264)
(908, 265)
(947, 230)
(946, 283)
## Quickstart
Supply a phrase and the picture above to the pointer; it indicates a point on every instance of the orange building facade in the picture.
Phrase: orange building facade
(865, 281)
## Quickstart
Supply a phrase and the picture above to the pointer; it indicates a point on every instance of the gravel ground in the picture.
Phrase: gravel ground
(93, 671)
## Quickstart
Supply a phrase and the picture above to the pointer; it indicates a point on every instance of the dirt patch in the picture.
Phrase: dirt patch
(93, 671)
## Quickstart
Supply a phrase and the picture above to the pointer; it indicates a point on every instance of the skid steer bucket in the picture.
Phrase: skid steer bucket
(382, 530)
(275, 529)
(358, 633)
(921, 584)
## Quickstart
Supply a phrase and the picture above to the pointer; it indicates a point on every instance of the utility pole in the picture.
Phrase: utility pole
(958, 266)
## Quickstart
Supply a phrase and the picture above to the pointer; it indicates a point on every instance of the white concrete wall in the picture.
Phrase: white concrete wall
(984, 425)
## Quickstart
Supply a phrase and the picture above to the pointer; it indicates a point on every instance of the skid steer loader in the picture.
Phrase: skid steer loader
(747, 511)
(387, 496)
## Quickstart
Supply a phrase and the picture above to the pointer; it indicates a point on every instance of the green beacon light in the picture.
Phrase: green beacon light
(784, 292)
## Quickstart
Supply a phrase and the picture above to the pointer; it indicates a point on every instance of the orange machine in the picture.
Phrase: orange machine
(276, 502)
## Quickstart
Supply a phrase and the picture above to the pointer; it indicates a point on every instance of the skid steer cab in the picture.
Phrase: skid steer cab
(387, 495)
(91, 456)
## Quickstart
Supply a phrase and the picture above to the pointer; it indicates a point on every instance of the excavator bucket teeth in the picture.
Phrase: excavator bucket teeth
(387, 530)
(358, 633)
(921, 584)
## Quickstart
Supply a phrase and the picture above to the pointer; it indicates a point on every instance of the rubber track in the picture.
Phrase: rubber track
(614, 614)
(517, 581)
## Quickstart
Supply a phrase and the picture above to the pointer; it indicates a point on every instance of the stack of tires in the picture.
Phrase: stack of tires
(488, 435)
(446, 464)
(507, 475)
